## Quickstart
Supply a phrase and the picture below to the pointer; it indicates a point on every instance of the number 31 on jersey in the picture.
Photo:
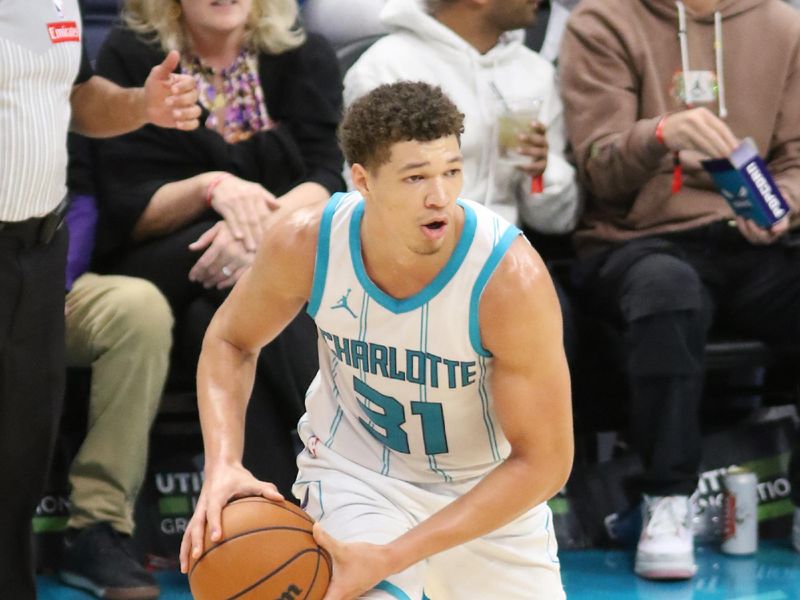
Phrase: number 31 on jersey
(387, 426)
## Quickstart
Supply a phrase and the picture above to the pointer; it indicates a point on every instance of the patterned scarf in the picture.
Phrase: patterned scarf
(240, 104)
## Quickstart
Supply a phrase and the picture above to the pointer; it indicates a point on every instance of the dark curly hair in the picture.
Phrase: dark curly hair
(396, 112)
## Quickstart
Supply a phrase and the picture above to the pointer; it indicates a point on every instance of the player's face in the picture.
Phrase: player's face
(507, 15)
(413, 196)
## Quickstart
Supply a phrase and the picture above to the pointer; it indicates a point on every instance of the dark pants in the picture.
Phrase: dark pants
(31, 391)
(285, 367)
(570, 334)
(794, 470)
(663, 293)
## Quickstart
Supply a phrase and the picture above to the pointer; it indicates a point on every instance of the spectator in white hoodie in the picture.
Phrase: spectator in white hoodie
(474, 50)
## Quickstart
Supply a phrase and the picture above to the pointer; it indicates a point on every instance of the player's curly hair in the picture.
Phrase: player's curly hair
(396, 112)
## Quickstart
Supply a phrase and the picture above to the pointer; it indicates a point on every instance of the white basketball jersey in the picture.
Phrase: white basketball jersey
(403, 387)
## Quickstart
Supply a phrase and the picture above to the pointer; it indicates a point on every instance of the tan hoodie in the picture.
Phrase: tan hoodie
(618, 62)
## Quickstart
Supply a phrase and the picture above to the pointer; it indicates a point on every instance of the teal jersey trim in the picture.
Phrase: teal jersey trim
(488, 269)
(487, 418)
(392, 589)
(434, 438)
(308, 483)
(434, 287)
(385, 459)
(323, 252)
(337, 418)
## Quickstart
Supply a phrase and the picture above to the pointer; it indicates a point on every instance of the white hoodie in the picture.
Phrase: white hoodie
(420, 48)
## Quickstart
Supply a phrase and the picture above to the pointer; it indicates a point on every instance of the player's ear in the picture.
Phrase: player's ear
(360, 178)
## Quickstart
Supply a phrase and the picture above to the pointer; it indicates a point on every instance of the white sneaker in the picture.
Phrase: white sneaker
(796, 529)
(666, 545)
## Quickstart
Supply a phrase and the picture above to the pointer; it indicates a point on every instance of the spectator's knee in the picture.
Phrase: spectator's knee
(660, 283)
(664, 304)
(144, 313)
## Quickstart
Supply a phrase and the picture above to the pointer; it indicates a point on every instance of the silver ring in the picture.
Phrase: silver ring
(226, 270)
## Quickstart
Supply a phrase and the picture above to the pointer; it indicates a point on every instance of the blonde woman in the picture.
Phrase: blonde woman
(186, 209)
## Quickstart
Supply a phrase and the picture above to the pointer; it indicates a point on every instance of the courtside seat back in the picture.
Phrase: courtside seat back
(98, 17)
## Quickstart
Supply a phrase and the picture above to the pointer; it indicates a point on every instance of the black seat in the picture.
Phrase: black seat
(350, 53)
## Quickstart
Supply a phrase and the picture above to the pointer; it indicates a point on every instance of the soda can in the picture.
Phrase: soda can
(740, 512)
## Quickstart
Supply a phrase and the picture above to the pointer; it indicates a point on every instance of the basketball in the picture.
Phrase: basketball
(267, 552)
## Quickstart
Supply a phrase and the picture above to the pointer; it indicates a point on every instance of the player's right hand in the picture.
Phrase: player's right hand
(357, 566)
(699, 129)
(245, 206)
(222, 484)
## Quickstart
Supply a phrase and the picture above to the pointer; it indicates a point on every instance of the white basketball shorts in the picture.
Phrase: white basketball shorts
(516, 562)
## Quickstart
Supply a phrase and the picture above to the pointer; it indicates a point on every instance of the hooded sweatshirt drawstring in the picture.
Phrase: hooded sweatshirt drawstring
(723, 109)
(677, 169)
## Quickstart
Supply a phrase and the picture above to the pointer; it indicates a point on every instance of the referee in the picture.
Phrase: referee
(46, 89)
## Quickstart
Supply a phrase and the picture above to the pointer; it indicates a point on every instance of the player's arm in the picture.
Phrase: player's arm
(101, 108)
(521, 325)
(267, 297)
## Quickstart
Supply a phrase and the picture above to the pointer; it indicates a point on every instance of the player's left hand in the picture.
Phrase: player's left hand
(170, 99)
(534, 144)
(357, 566)
(757, 235)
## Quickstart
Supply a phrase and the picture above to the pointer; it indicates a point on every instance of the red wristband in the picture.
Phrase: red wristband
(212, 185)
(660, 130)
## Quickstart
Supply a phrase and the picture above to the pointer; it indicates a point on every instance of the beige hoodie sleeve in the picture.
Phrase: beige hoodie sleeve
(616, 152)
(783, 158)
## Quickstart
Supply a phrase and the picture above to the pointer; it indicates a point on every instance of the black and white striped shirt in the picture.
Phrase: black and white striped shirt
(40, 57)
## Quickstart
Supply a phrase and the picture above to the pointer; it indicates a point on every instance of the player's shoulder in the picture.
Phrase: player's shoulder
(519, 307)
(521, 269)
(287, 252)
(520, 288)
(294, 227)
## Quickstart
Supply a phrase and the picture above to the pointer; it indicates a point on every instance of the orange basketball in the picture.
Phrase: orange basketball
(266, 552)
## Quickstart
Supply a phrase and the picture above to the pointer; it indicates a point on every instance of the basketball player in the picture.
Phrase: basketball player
(440, 420)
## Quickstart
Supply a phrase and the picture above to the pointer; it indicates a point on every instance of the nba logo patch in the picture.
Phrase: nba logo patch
(59, 4)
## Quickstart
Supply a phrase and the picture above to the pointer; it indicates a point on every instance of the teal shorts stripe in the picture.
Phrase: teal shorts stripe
(392, 589)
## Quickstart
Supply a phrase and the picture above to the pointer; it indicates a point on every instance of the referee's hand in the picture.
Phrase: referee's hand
(170, 99)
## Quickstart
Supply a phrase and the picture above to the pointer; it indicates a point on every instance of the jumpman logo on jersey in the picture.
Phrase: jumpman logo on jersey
(343, 304)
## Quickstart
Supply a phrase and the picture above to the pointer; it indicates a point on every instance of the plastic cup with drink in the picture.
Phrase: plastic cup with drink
(514, 117)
